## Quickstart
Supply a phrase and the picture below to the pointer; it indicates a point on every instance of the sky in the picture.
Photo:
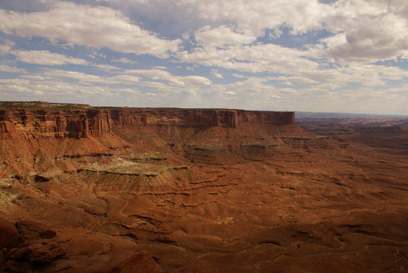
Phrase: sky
(347, 56)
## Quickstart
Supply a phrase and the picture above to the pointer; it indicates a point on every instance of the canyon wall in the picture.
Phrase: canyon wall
(198, 190)
(198, 117)
(82, 123)
(53, 123)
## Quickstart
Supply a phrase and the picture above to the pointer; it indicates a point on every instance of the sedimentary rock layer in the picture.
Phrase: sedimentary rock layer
(54, 124)
(198, 117)
(82, 123)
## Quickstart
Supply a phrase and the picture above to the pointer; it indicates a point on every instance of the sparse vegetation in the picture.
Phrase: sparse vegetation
(41, 105)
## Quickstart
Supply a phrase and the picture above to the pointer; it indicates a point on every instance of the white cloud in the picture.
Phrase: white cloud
(294, 79)
(255, 16)
(107, 68)
(135, 77)
(6, 47)
(56, 90)
(123, 60)
(365, 74)
(86, 25)
(294, 65)
(235, 37)
(89, 78)
(222, 36)
(363, 31)
(45, 57)
(14, 85)
(6, 68)
(155, 74)
(159, 74)
(367, 31)
(97, 55)
(216, 73)
(256, 58)
(195, 80)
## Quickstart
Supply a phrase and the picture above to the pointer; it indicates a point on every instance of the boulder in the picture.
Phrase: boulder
(36, 246)
(32, 230)
(41, 252)
(8, 233)
(123, 261)
(129, 261)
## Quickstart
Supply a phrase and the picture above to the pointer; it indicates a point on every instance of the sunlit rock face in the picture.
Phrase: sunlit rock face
(54, 124)
(35, 123)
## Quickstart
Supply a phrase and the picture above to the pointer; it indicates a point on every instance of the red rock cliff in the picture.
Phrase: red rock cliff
(198, 117)
(54, 124)
(82, 123)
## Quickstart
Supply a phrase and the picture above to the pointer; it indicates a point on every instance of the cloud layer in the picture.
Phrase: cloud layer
(347, 56)
(86, 25)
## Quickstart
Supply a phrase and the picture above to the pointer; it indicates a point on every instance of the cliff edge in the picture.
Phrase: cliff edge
(46, 122)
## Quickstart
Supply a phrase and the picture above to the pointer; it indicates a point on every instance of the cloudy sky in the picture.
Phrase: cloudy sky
(300, 55)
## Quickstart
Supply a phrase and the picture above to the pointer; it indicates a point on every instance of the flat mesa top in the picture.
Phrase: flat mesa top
(41, 105)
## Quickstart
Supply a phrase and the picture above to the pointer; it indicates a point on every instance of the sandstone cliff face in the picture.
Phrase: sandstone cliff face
(95, 122)
(54, 124)
(211, 135)
(198, 117)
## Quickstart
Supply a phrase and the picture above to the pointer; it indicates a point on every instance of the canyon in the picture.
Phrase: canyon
(108, 189)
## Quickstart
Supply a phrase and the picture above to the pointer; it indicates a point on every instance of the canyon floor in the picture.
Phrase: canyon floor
(333, 200)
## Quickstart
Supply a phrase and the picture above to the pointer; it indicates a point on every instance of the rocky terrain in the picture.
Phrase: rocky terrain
(87, 189)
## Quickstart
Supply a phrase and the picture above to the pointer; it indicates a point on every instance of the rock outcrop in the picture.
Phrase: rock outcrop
(35, 247)
(82, 123)
(54, 124)
(202, 133)
(8, 233)
(210, 135)
(198, 117)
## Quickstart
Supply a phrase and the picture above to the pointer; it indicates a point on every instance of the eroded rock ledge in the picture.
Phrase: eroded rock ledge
(198, 117)
(38, 123)
(83, 123)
